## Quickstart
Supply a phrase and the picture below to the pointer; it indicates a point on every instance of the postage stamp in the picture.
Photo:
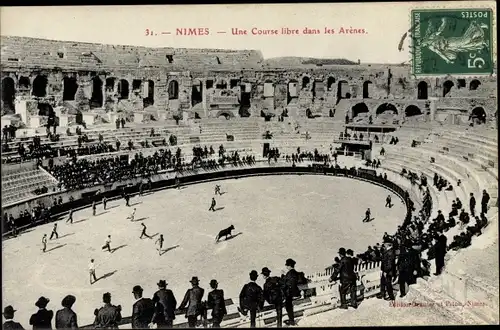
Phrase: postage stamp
(452, 41)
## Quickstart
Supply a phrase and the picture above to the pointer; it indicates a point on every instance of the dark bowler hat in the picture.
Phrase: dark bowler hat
(290, 262)
(42, 302)
(8, 311)
(194, 280)
(342, 251)
(137, 289)
(162, 283)
(213, 283)
(266, 271)
(68, 301)
(350, 252)
(254, 273)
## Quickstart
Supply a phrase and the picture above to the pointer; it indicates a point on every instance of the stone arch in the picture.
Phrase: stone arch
(196, 92)
(386, 107)
(366, 89)
(123, 89)
(8, 95)
(359, 108)
(412, 110)
(478, 113)
(96, 99)
(149, 95)
(474, 84)
(110, 84)
(329, 83)
(422, 90)
(447, 86)
(173, 90)
(343, 85)
(305, 81)
(70, 86)
(24, 83)
(226, 114)
(40, 86)
(292, 91)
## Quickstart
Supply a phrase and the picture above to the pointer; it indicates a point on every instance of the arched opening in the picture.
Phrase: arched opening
(387, 107)
(197, 93)
(342, 90)
(305, 82)
(150, 97)
(268, 89)
(245, 99)
(447, 86)
(136, 84)
(24, 84)
(70, 86)
(329, 83)
(412, 110)
(292, 92)
(367, 86)
(8, 95)
(96, 100)
(173, 90)
(110, 85)
(474, 84)
(40, 86)
(221, 84)
(479, 114)
(422, 90)
(79, 117)
(45, 109)
(123, 89)
(225, 115)
(359, 108)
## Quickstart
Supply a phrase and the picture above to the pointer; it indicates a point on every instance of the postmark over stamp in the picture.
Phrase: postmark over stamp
(456, 41)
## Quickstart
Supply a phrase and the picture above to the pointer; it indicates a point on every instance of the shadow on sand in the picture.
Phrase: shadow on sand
(162, 252)
(230, 237)
(136, 203)
(118, 248)
(106, 275)
(66, 235)
(140, 219)
(56, 247)
(220, 208)
(81, 220)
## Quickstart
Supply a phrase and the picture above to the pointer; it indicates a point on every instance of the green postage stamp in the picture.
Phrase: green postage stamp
(455, 41)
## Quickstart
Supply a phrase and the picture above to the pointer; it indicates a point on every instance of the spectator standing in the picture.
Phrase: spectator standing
(142, 310)
(43, 318)
(273, 294)
(165, 305)
(216, 303)
(440, 252)
(388, 271)
(8, 313)
(345, 272)
(251, 298)
(290, 289)
(472, 204)
(484, 202)
(108, 316)
(192, 299)
(66, 317)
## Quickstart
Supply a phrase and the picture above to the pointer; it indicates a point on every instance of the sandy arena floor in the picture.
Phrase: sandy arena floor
(307, 218)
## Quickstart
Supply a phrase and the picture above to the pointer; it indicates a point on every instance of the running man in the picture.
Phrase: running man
(131, 217)
(367, 215)
(107, 244)
(388, 201)
(44, 242)
(70, 216)
(217, 190)
(144, 231)
(160, 241)
(212, 207)
(92, 271)
(54, 232)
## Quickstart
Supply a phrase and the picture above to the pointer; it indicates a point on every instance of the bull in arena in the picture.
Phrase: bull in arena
(224, 232)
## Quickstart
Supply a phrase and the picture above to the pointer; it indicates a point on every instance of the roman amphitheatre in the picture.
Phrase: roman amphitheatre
(85, 121)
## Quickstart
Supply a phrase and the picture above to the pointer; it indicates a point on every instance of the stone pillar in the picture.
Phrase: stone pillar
(432, 107)
(103, 88)
(204, 97)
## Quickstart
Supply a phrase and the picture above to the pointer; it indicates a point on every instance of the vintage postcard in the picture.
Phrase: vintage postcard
(250, 165)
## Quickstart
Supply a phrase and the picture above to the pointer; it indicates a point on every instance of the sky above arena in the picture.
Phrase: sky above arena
(384, 25)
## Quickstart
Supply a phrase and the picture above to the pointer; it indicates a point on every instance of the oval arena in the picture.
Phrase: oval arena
(300, 152)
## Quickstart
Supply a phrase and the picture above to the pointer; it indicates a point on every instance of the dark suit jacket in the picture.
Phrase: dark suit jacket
(215, 301)
(389, 262)
(345, 270)
(12, 325)
(108, 317)
(251, 297)
(66, 319)
(165, 304)
(290, 284)
(193, 296)
(142, 313)
(42, 319)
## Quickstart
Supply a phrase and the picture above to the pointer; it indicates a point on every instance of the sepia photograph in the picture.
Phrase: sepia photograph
(249, 165)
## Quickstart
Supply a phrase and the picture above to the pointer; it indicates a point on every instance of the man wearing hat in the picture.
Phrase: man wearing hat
(165, 305)
(108, 316)
(216, 303)
(345, 272)
(66, 317)
(273, 294)
(388, 268)
(43, 318)
(142, 310)
(192, 299)
(8, 313)
(251, 298)
(290, 289)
